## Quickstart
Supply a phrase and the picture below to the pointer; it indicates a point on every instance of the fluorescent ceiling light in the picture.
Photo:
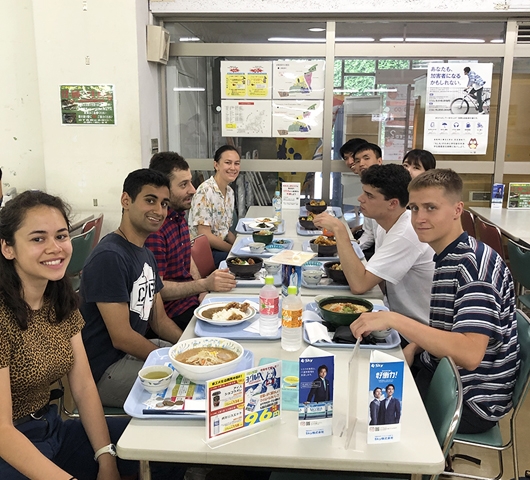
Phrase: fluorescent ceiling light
(296, 39)
(345, 90)
(355, 39)
(188, 89)
(317, 29)
(189, 39)
(497, 40)
(432, 40)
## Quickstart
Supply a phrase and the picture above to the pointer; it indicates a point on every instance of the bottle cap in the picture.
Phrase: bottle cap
(269, 280)
(277, 192)
(291, 290)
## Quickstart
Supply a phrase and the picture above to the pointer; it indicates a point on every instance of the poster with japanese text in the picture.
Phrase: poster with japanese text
(519, 195)
(246, 118)
(297, 79)
(457, 108)
(385, 398)
(243, 79)
(398, 131)
(243, 401)
(87, 105)
(315, 397)
(297, 118)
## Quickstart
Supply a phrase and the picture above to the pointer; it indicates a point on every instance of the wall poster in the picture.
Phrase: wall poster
(457, 107)
(87, 105)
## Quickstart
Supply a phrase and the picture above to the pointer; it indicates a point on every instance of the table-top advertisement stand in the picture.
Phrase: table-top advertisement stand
(348, 429)
(243, 404)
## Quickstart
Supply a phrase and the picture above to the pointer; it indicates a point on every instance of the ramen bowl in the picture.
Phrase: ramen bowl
(208, 345)
(316, 209)
(338, 319)
(244, 271)
(336, 275)
(155, 378)
(263, 236)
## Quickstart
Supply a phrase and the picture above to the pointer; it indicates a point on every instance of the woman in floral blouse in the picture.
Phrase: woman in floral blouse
(212, 208)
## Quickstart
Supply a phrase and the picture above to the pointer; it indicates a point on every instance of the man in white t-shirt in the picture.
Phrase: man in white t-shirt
(402, 265)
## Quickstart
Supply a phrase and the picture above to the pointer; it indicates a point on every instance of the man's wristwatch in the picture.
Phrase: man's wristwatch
(111, 449)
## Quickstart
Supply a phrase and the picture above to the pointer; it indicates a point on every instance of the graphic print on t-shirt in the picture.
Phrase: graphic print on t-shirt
(142, 293)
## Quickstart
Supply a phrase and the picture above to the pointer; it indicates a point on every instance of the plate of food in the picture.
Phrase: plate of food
(262, 226)
(226, 313)
(266, 220)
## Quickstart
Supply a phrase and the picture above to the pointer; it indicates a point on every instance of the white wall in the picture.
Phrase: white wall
(44, 45)
(21, 149)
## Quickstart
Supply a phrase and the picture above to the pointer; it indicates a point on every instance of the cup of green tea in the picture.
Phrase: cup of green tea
(155, 378)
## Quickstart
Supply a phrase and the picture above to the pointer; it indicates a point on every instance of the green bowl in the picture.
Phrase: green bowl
(266, 239)
(335, 319)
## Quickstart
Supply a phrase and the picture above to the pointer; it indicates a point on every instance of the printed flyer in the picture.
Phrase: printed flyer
(519, 195)
(315, 401)
(243, 79)
(457, 108)
(299, 79)
(298, 118)
(87, 105)
(497, 195)
(243, 401)
(386, 398)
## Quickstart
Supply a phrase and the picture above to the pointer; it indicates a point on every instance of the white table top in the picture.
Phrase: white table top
(290, 218)
(177, 440)
(515, 224)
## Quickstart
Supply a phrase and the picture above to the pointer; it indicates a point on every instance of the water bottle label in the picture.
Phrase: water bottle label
(292, 318)
(269, 306)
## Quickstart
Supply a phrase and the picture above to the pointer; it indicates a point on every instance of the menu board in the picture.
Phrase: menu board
(243, 79)
(519, 195)
(243, 401)
(246, 118)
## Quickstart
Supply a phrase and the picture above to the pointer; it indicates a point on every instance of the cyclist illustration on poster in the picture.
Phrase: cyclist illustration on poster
(457, 107)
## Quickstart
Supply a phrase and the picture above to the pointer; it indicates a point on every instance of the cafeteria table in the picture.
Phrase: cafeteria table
(290, 218)
(278, 447)
(513, 223)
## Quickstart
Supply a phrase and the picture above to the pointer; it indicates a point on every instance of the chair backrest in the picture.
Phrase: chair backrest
(468, 223)
(96, 222)
(490, 235)
(523, 376)
(519, 263)
(82, 246)
(201, 252)
(444, 402)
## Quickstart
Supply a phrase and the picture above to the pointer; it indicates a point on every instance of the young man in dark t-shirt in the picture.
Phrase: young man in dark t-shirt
(119, 291)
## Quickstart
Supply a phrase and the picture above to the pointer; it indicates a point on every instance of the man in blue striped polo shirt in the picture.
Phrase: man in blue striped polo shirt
(472, 317)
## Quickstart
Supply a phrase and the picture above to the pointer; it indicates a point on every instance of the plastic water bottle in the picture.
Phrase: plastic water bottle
(269, 301)
(277, 205)
(292, 321)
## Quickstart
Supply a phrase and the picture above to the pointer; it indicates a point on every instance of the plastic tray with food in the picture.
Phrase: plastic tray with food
(249, 225)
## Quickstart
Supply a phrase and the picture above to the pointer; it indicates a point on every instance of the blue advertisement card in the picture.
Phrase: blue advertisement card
(315, 401)
(497, 195)
(385, 398)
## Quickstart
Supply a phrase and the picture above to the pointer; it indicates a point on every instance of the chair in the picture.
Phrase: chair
(520, 267)
(82, 246)
(443, 403)
(201, 252)
(490, 235)
(72, 412)
(492, 439)
(468, 223)
(95, 222)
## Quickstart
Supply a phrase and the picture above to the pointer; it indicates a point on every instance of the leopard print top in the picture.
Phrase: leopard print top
(36, 357)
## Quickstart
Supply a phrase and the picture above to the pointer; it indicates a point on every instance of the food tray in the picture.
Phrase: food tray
(335, 211)
(306, 233)
(241, 248)
(134, 404)
(236, 332)
(392, 341)
(242, 227)
(258, 280)
(307, 248)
